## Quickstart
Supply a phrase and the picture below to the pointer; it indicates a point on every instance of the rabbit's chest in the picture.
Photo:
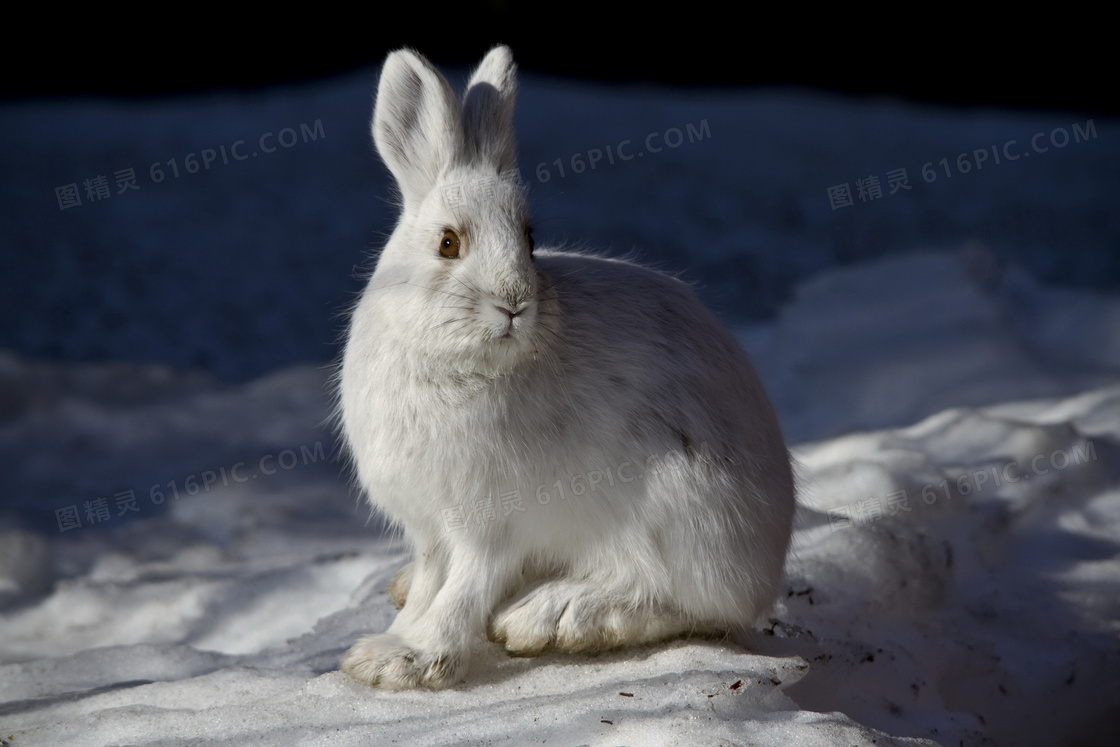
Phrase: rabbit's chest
(429, 423)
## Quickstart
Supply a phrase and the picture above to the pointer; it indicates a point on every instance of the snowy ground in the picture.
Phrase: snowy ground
(955, 411)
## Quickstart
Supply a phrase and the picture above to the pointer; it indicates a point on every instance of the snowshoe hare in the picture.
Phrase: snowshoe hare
(582, 457)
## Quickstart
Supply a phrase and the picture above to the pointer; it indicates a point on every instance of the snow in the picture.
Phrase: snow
(948, 378)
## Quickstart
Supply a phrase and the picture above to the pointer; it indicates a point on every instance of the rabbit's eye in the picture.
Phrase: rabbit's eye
(449, 244)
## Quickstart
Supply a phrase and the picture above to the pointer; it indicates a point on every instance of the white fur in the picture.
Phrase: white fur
(601, 371)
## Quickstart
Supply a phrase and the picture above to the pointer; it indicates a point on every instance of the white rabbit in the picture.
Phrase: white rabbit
(582, 457)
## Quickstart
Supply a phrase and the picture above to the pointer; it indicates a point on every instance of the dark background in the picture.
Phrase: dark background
(1054, 59)
(167, 276)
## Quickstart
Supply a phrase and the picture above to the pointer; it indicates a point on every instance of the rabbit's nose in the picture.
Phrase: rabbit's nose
(512, 310)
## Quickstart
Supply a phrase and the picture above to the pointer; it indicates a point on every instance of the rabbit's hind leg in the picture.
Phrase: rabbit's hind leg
(580, 616)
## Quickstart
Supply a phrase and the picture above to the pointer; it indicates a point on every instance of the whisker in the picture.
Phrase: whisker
(446, 322)
(427, 288)
(464, 283)
(449, 321)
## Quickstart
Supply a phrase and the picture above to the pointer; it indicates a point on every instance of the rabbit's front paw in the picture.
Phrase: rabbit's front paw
(384, 660)
(572, 616)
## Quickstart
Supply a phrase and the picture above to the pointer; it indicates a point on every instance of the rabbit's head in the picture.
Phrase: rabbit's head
(457, 275)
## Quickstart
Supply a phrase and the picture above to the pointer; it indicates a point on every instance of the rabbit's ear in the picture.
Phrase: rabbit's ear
(488, 110)
(416, 124)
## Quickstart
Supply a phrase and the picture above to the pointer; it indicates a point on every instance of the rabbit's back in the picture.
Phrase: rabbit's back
(640, 344)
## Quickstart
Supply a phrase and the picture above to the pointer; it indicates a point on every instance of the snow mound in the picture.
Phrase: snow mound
(952, 581)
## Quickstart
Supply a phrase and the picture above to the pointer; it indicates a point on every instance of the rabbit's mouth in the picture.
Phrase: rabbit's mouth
(504, 354)
(508, 333)
(509, 336)
(508, 321)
